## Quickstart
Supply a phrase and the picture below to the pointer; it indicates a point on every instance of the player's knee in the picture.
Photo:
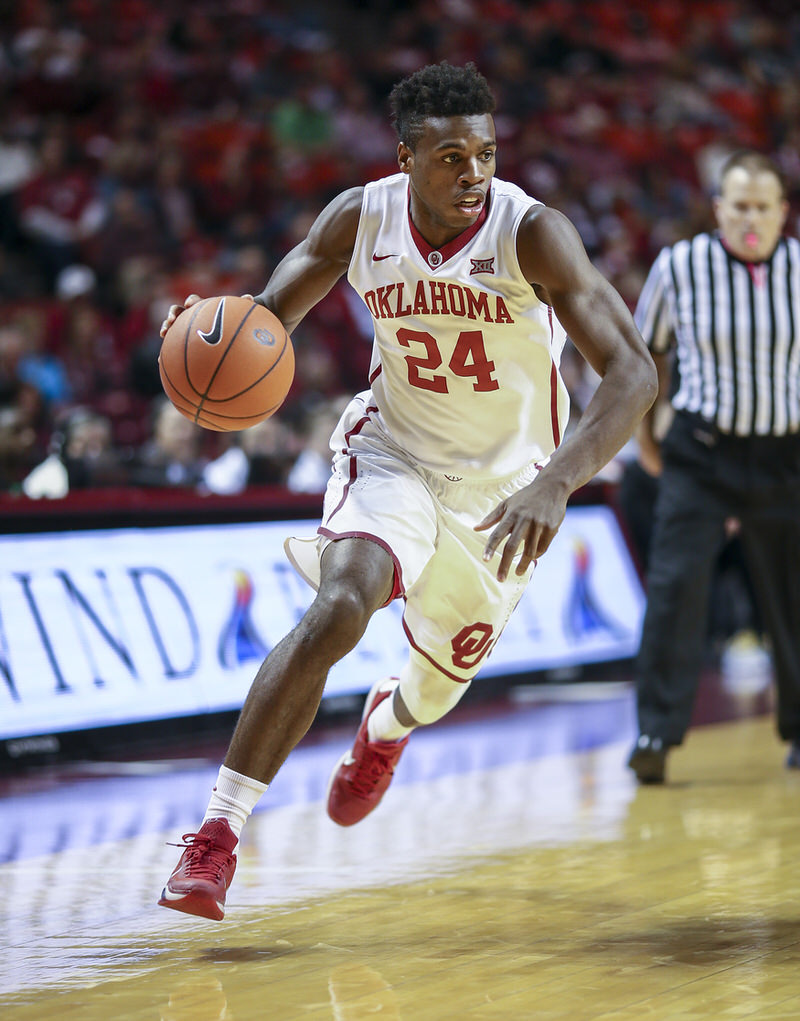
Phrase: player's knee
(426, 693)
(340, 615)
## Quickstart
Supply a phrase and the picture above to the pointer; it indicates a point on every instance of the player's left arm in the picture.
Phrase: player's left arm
(599, 324)
(305, 274)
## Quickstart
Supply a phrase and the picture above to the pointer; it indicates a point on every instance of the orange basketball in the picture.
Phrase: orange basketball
(226, 363)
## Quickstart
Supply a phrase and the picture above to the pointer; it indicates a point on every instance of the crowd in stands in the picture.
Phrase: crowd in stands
(150, 150)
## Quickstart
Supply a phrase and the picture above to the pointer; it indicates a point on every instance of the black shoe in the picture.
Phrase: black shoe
(793, 758)
(648, 759)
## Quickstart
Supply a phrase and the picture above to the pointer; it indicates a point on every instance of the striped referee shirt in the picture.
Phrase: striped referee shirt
(736, 328)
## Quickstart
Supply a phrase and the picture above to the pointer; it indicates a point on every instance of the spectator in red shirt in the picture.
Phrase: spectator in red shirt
(59, 208)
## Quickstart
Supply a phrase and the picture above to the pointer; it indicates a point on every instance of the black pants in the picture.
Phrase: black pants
(707, 478)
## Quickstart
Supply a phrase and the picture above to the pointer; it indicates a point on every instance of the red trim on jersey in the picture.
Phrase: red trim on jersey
(398, 588)
(358, 426)
(353, 459)
(375, 374)
(554, 404)
(452, 247)
(347, 485)
(553, 387)
(430, 659)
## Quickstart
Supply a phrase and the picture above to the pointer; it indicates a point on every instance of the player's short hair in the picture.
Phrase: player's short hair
(438, 90)
(753, 163)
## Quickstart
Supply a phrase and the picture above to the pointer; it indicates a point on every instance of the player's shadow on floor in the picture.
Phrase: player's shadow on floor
(246, 955)
(704, 941)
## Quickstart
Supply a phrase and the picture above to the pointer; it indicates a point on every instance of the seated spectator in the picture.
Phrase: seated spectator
(18, 448)
(17, 167)
(173, 456)
(88, 452)
(84, 338)
(23, 347)
(22, 411)
(59, 208)
(81, 457)
(173, 201)
(258, 456)
(228, 473)
(131, 231)
(271, 448)
(312, 469)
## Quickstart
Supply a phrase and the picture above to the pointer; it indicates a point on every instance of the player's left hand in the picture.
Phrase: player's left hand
(530, 518)
(175, 311)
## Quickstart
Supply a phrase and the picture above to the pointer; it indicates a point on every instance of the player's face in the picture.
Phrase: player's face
(751, 212)
(450, 170)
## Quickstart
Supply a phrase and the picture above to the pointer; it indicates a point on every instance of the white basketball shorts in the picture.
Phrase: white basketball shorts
(455, 608)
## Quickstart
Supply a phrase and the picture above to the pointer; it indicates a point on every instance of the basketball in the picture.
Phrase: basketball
(226, 363)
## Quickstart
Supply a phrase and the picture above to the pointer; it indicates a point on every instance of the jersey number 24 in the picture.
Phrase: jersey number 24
(468, 359)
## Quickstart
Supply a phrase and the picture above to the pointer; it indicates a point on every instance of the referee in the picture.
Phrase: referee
(729, 302)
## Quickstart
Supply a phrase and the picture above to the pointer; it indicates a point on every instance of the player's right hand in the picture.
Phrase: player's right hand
(175, 311)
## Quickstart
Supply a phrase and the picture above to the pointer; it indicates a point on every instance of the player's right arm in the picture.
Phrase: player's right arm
(305, 274)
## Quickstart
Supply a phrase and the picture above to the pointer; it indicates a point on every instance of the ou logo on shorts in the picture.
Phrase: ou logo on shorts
(471, 644)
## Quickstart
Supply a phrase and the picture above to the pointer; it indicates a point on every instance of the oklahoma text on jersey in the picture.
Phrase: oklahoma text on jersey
(437, 297)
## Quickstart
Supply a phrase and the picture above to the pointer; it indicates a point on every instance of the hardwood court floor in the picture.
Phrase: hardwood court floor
(530, 879)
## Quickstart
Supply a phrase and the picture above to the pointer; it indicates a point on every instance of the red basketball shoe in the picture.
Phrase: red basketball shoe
(363, 773)
(205, 870)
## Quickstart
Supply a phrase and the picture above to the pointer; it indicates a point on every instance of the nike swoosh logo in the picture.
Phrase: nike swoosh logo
(167, 894)
(348, 760)
(380, 258)
(214, 335)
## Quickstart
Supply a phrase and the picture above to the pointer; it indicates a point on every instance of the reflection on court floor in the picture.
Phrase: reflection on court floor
(87, 848)
(513, 871)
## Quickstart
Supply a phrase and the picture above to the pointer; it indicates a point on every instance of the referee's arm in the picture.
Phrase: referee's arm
(653, 320)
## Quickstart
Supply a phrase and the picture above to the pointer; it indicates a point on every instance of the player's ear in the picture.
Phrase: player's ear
(405, 158)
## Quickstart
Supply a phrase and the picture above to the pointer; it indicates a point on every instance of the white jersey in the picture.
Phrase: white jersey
(465, 363)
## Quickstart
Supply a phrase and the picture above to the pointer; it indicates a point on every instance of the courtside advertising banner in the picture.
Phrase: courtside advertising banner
(118, 626)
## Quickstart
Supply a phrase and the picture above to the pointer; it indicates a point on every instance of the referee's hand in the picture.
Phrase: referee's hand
(650, 460)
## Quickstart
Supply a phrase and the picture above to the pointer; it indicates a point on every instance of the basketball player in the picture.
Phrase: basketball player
(472, 286)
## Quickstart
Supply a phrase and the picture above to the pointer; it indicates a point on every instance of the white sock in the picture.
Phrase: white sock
(234, 797)
(383, 725)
